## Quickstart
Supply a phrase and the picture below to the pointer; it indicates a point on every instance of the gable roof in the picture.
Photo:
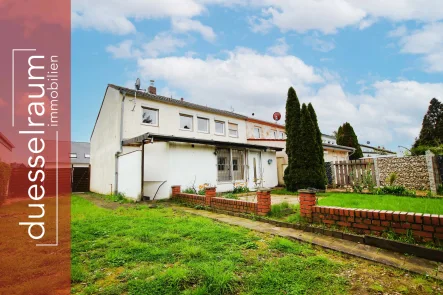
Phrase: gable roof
(80, 149)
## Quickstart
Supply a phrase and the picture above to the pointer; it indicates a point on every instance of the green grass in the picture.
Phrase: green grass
(383, 202)
(283, 191)
(141, 250)
(283, 209)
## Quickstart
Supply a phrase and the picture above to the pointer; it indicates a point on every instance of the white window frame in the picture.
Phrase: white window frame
(152, 109)
(229, 130)
(192, 122)
(259, 132)
(274, 133)
(281, 135)
(215, 127)
(87, 156)
(207, 120)
(73, 155)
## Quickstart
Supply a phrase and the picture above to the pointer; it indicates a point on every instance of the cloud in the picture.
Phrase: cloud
(398, 32)
(280, 48)
(257, 83)
(122, 50)
(189, 25)
(163, 43)
(318, 44)
(427, 42)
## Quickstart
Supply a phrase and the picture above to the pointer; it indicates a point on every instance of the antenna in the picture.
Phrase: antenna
(137, 84)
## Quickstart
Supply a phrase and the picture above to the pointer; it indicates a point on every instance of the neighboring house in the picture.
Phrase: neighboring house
(273, 134)
(144, 143)
(376, 152)
(5, 149)
(80, 166)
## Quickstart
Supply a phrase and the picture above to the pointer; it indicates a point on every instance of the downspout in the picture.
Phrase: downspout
(142, 172)
(117, 154)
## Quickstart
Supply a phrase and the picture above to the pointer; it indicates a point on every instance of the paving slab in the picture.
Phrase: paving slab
(414, 264)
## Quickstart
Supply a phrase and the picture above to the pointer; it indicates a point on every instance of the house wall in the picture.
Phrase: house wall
(169, 121)
(331, 155)
(105, 143)
(129, 177)
(265, 130)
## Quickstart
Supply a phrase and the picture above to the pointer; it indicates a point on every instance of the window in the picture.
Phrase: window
(220, 127)
(87, 156)
(203, 125)
(72, 155)
(257, 132)
(186, 122)
(282, 135)
(274, 134)
(150, 116)
(227, 169)
(233, 130)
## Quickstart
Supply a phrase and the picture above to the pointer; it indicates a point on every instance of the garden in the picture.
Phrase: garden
(135, 249)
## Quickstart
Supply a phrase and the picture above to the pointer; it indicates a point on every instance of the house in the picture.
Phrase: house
(5, 149)
(144, 143)
(273, 134)
(376, 152)
(80, 166)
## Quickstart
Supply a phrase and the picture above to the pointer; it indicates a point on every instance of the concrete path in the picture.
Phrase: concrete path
(409, 263)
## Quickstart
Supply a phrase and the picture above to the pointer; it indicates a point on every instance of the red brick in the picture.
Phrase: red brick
(439, 236)
(403, 216)
(435, 219)
(396, 216)
(352, 212)
(345, 224)
(389, 215)
(422, 234)
(375, 222)
(364, 213)
(439, 229)
(429, 228)
(377, 228)
(357, 213)
(359, 225)
(331, 210)
(327, 221)
(396, 224)
(386, 223)
(376, 214)
(418, 217)
(427, 219)
(370, 214)
(383, 214)
(405, 225)
(351, 219)
(400, 230)
(410, 217)
(367, 221)
(416, 226)
(441, 219)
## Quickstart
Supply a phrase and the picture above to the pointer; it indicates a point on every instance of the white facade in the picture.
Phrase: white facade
(171, 162)
(6, 147)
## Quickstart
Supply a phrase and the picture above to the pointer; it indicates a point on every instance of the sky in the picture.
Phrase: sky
(375, 64)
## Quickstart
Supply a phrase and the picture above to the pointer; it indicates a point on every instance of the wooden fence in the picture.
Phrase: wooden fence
(347, 172)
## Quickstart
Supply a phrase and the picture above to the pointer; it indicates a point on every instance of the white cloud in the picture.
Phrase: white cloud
(257, 83)
(398, 32)
(280, 48)
(318, 44)
(428, 42)
(122, 50)
(189, 25)
(163, 43)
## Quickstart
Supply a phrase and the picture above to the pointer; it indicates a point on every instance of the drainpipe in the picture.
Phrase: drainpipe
(117, 154)
(143, 171)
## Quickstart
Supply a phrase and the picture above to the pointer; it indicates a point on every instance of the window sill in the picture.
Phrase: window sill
(190, 130)
(150, 125)
(233, 136)
(219, 134)
(204, 132)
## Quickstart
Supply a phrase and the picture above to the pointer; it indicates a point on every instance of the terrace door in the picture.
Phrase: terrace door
(255, 174)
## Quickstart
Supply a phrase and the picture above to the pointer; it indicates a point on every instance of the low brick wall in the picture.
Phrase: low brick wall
(424, 227)
(261, 207)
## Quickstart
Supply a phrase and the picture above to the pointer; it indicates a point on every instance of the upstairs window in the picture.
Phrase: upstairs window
(282, 135)
(274, 134)
(233, 130)
(150, 116)
(220, 127)
(186, 122)
(257, 132)
(203, 125)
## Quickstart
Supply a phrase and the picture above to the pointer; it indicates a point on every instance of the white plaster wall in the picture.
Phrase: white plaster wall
(105, 143)
(331, 155)
(270, 177)
(156, 170)
(129, 176)
(169, 121)
(265, 130)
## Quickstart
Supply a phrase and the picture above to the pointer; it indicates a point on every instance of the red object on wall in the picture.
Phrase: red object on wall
(276, 116)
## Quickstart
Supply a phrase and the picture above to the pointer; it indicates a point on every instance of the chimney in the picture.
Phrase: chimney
(152, 89)
(182, 99)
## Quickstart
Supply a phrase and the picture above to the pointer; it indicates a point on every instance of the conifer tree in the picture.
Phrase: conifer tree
(349, 138)
(319, 142)
(292, 126)
(431, 129)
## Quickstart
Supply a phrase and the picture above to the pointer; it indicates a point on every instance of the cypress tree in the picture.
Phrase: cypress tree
(429, 134)
(349, 138)
(292, 126)
(319, 142)
(309, 174)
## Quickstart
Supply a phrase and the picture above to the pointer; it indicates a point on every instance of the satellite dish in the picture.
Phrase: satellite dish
(276, 116)
(368, 142)
(137, 84)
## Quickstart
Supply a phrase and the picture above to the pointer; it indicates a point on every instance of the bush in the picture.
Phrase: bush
(189, 190)
(396, 190)
(5, 175)
(391, 178)
(440, 190)
(230, 196)
(240, 188)
(421, 150)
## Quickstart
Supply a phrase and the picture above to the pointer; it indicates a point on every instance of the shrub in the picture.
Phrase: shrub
(230, 196)
(391, 178)
(5, 175)
(440, 190)
(396, 190)
(189, 190)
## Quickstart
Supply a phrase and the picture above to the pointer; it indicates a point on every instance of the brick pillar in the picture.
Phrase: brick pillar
(263, 201)
(307, 201)
(176, 189)
(210, 193)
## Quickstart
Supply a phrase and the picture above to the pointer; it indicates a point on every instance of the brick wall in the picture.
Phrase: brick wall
(261, 207)
(423, 227)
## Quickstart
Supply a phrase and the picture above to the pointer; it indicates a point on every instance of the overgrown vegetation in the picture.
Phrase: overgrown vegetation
(230, 196)
(240, 188)
(396, 190)
(364, 181)
(391, 178)
(143, 251)
(118, 198)
(383, 202)
(283, 191)
(5, 175)
(440, 190)
(282, 209)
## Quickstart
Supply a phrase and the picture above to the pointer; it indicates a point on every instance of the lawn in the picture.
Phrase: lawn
(135, 249)
(383, 202)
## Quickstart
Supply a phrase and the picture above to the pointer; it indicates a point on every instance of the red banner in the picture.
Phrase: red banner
(35, 174)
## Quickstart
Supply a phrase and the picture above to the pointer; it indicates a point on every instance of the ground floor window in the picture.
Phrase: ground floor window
(230, 164)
